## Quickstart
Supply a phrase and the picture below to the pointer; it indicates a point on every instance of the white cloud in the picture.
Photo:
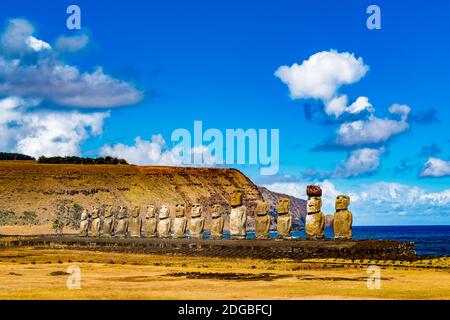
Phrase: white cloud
(374, 130)
(156, 152)
(435, 167)
(321, 75)
(72, 44)
(359, 162)
(377, 202)
(338, 105)
(48, 78)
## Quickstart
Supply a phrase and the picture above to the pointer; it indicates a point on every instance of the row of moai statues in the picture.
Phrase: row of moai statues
(161, 225)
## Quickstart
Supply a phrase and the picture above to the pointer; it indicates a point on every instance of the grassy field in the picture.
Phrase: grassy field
(27, 273)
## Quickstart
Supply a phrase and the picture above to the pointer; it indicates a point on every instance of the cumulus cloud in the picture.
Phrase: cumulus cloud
(42, 75)
(321, 75)
(379, 201)
(72, 44)
(156, 152)
(360, 162)
(338, 105)
(436, 168)
(39, 132)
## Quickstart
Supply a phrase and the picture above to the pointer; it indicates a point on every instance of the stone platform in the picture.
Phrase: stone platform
(296, 249)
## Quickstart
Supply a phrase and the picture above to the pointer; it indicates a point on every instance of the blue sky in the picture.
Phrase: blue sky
(215, 61)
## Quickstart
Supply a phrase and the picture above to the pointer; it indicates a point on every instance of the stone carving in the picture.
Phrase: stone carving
(108, 222)
(343, 219)
(313, 191)
(180, 221)
(84, 224)
(164, 225)
(315, 219)
(217, 222)
(121, 228)
(150, 223)
(262, 220)
(95, 225)
(284, 221)
(197, 221)
(135, 223)
(238, 216)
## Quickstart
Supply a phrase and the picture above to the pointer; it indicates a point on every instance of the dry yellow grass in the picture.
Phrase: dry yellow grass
(25, 274)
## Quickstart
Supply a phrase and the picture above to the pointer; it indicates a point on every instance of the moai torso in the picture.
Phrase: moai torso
(262, 220)
(180, 221)
(121, 228)
(84, 224)
(196, 222)
(343, 219)
(108, 222)
(95, 225)
(315, 219)
(217, 222)
(238, 217)
(163, 228)
(149, 225)
(284, 221)
(134, 226)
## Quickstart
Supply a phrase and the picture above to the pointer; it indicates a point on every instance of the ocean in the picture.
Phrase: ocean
(428, 240)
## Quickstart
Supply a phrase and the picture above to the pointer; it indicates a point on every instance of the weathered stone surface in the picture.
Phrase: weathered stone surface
(95, 225)
(164, 223)
(217, 222)
(284, 221)
(315, 219)
(108, 222)
(262, 220)
(135, 223)
(343, 219)
(238, 222)
(121, 228)
(150, 222)
(236, 198)
(197, 221)
(180, 221)
(313, 191)
(84, 224)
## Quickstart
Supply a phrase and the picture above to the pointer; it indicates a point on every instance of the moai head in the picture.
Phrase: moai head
(262, 208)
(342, 202)
(236, 198)
(108, 211)
(95, 213)
(164, 212)
(136, 212)
(196, 210)
(216, 211)
(284, 205)
(313, 204)
(85, 215)
(123, 212)
(180, 210)
(151, 212)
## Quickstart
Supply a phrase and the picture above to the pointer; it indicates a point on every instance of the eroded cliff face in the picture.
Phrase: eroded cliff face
(61, 190)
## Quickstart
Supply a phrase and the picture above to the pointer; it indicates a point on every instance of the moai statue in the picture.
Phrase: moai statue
(343, 218)
(149, 225)
(196, 222)
(164, 225)
(238, 216)
(121, 228)
(217, 222)
(108, 221)
(180, 221)
(284, 221)
(135, 223)
(95, 225)
(84, 224)
(262, 220)
(315, 218)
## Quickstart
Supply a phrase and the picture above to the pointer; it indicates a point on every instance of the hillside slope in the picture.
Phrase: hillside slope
(47, 190)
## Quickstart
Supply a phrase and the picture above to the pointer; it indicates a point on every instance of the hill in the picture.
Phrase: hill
(32, 193)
